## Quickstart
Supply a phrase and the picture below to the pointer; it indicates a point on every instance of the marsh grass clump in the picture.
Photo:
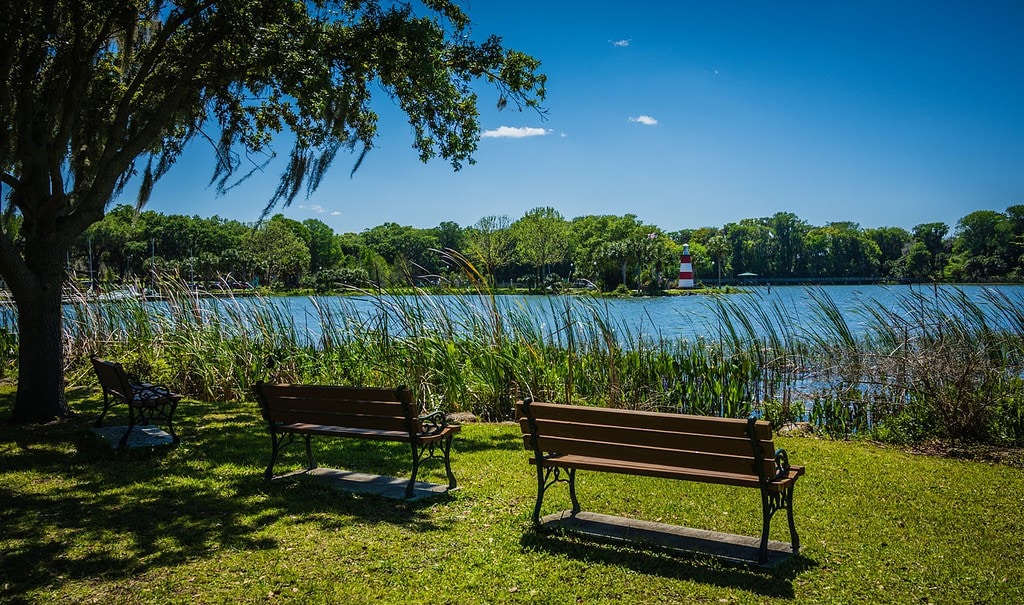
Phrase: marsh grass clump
(929, 366)
(956, 365)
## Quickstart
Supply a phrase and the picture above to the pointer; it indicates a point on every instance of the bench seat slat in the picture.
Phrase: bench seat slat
(342, 431)
(385, 423)
(688, 456)
(668, 472)
(678, 423)
(328, 392)
(381, 435)
(732, 446)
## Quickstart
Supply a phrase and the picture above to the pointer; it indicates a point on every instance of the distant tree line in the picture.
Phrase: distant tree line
(541, 249)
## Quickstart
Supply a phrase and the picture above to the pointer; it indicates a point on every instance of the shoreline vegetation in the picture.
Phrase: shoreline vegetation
(936, 367)
(543, 249)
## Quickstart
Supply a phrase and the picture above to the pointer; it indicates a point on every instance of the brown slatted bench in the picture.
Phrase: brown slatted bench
(356, 412)
(725, 451)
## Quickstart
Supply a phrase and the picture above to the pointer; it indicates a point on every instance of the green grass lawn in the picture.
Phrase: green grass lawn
(197, 524)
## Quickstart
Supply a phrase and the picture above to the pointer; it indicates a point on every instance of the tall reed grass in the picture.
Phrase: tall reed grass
(932, 366)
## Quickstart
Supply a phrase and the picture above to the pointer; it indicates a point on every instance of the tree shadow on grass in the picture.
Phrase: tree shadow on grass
(74, 509)
(657, 561)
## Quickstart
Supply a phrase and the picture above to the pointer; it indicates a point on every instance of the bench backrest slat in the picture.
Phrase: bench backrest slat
(355, 421)
(329, 392)
(354, 407)
(698, 460)
(112, 378)
(336, 406)
(676, 423)
(732, 446)
(702, 443)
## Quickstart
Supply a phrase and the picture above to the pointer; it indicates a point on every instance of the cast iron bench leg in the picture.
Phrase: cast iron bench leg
(793, 537)
(417, 452)
(106, 407)
(132, 420)
(762, 552)
(310, 462)
(274, 447)
(542, 475)
(572, 491)
(447, 447)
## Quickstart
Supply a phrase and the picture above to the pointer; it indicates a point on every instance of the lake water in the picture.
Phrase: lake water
(669, 317)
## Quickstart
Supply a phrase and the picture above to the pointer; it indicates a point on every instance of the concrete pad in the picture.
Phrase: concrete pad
(363, 483)
(142, 436)
(740, 549)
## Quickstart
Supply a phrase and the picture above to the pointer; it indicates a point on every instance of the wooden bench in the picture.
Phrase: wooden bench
(725, 451)
(356, 412)
(146, 402)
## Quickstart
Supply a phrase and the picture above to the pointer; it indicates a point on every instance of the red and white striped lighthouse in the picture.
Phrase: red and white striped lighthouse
(685, 268)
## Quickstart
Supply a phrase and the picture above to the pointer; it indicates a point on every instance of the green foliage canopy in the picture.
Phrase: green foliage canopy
(93, 92)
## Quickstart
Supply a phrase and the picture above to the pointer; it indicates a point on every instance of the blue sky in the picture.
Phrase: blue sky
(692, 114)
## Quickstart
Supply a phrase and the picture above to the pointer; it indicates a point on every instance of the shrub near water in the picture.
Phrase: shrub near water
(932, 366)
(940, 366)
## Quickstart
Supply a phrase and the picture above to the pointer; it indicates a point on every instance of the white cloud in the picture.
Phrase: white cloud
(319, 209)
(645, 120)
(510, 132)
(620, 43)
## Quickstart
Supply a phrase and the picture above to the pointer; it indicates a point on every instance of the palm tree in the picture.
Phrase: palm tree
(718, 246)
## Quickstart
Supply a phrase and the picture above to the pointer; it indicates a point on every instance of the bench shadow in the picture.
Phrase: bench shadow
(312, 500)
(659, 561)
(356, 455)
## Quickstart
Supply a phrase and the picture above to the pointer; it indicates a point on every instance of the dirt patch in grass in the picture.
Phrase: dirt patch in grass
(1010, 456)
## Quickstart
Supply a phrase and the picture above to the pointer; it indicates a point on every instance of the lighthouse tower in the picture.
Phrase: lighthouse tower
(685, 268)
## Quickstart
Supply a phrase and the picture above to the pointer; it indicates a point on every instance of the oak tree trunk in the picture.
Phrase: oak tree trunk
(40, 396)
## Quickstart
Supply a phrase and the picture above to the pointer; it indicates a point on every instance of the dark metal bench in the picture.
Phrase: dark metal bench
(358, 412)
(725, 451)
(146, 402)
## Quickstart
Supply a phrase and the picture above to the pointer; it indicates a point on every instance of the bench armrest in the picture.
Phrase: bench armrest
(150, 392)
(433, 423)
(781, 464)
